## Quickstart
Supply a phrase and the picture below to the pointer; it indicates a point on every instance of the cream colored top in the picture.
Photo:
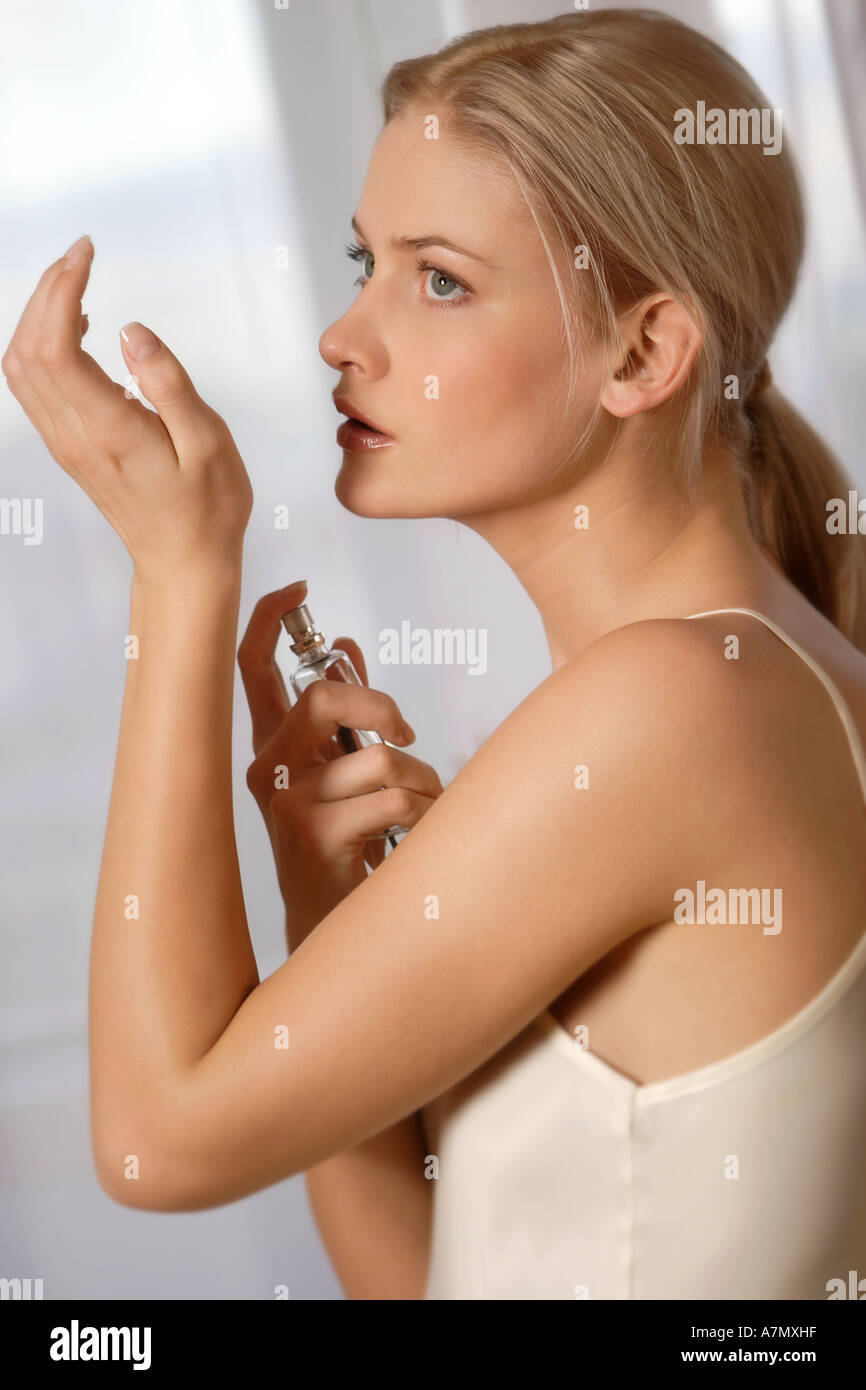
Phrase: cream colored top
(561, 1178)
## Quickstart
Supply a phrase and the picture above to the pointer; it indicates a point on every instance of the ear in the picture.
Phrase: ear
(661, 342)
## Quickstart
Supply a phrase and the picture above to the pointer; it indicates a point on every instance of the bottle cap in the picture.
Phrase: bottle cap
(299, 624)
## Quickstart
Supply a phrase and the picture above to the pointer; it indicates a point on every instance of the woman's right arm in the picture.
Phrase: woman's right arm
(372, 1204)
(373, 1208)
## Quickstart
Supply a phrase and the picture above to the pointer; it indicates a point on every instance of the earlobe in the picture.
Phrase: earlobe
(625, 391)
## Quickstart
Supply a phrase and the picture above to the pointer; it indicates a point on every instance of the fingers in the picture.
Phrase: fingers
(265, 689)
(369, 770)
(21, 365)
(195, 428)
(56, 315)
(326, 705)
(31, 317)
(47, 341)
(331, 829)
(66, 385)
(365, 770)
(63, 391)
(337, 829)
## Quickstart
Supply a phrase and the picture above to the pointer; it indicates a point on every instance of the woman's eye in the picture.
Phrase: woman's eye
(443, 288)
(442, 285)
(357, 253)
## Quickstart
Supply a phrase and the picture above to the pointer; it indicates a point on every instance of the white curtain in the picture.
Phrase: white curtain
(194, 141)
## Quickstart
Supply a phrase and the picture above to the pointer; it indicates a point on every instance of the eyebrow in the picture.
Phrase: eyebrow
(418, 243)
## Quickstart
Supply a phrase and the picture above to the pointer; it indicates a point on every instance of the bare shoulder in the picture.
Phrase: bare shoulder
(659, 686)
(691, 686)
(678, 724)
(624, 747)
(724, 716)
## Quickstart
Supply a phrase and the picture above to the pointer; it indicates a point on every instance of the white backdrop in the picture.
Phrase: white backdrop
(192, 140)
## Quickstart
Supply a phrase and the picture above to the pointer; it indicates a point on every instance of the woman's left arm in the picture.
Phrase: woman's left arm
(171, 957)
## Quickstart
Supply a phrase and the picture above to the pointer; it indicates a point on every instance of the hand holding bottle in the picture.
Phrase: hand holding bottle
(322, 822)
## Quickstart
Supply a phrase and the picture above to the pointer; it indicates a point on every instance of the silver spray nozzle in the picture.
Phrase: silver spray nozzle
(299, 624)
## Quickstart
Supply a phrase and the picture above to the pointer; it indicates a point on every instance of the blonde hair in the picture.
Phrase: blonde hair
(582, 109)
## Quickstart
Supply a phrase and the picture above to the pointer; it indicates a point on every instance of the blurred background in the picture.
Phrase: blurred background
(215, 153)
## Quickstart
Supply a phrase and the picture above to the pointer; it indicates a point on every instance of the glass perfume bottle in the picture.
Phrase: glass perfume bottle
(318, 662)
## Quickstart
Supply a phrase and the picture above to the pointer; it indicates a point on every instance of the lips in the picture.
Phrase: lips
(346, 407)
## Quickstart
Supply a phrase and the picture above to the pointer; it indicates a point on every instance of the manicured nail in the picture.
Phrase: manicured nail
(140, 342)
(77, 249)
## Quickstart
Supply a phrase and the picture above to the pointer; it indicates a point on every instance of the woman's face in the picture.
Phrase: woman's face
(463, 365)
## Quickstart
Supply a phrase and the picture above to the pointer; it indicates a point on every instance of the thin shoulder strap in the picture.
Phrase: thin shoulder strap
(853, 733)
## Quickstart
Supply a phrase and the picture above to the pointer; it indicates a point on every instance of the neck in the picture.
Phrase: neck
(648, 550)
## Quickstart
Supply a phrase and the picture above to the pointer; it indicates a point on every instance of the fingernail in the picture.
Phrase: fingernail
(140, 342)
(408, 732)
(77, 249)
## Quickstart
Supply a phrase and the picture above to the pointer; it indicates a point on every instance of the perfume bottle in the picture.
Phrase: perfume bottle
(318, 662)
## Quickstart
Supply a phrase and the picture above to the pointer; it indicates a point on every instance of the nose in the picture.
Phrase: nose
(353, 341)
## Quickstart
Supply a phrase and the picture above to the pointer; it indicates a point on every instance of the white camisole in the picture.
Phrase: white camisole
(560, 1178)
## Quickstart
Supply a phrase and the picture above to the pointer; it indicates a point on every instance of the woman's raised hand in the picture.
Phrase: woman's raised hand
(321, 823)
(172, 484)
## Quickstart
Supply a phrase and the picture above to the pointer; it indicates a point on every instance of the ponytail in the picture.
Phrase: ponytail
(791, 477)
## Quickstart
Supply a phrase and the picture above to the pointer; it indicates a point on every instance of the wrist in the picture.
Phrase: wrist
(216, 578)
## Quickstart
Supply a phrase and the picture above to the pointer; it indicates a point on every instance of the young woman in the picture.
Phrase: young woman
(597, 1027)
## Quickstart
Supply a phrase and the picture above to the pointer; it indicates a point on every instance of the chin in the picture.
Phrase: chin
(363, 487)
(367, 485)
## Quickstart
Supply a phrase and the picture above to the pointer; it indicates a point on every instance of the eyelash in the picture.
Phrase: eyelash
(360, 253)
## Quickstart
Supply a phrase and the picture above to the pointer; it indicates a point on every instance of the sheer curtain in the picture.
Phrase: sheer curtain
(216, 152)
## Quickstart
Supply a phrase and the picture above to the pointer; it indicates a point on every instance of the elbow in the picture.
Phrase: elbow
(144, 1173)
(161, 1157)
(122, 1184)
(139, 1197)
